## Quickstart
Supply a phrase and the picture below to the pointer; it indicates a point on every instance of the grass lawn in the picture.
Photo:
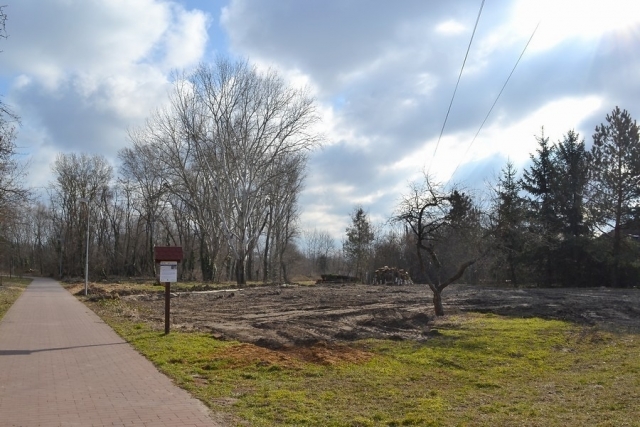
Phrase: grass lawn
(476, 370)
(10, 291)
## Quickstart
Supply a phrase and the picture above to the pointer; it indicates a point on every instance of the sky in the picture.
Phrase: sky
(81, 73)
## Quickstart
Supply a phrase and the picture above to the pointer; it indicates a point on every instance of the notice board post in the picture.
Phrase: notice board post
(168, 257)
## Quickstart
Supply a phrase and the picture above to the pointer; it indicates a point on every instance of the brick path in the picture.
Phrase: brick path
(60, 365)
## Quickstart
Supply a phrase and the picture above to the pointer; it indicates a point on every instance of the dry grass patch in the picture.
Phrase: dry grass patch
(10, 290)
(293, 357)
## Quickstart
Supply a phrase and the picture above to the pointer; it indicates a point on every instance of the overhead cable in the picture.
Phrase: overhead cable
(457, 83)
(496, 100)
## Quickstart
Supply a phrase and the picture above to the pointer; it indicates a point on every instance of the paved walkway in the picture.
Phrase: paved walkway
(60, 365)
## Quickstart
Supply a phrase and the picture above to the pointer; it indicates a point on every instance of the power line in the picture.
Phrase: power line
(457, 83)
(496, 100)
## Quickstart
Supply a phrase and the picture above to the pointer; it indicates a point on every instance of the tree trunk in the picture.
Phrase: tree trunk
(205, 261)
(549, 268)
(617, 234)
(240, 272)
(512, 270)
(615, 271)
(285, 276)
(249, 267)
(265, 271)
(150, 260)
(437, 302)
(230, 268)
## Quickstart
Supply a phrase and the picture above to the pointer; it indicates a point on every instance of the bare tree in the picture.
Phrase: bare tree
(78, 177)
(139, 166)
(3, 21)
(170, 155)
(283, 208)
(433, 215)
(389, 249)
(319, 249)
(131, 228)
(241, 123)
(12, 192)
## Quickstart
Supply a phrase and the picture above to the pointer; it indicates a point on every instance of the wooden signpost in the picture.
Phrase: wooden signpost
(168, 257)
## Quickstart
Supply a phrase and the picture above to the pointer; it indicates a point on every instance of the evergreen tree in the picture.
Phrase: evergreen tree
(573, 262)
(357, 247)
(539, 181)
(615, 166)
(508, 221)
(461, 209)
(572, 172)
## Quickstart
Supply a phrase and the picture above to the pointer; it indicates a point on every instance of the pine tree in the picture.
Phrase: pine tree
(508, 219)
(615, 165)
(360, 236)
(571, 164)
(572, 172)
(539, 181)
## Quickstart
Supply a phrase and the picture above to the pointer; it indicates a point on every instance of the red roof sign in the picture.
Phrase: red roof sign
(167, 253)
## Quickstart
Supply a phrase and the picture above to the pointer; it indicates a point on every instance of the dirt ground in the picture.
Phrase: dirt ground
(284, 315)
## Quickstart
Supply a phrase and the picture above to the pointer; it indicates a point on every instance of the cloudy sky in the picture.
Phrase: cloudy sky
(82, 72)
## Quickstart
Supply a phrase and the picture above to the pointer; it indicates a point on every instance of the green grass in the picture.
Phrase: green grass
(479, 370)
(10, 290)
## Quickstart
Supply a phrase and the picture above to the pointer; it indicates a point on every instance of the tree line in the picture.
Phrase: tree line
(571, 218)
(218, 171)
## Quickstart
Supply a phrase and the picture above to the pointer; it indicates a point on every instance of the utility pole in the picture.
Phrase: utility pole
(86, 258)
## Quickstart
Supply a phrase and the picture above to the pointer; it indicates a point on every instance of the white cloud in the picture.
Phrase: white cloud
(561, 21)
(514, 141)
(85, 72)
(186, 39)
(450, 27)
(321, 217)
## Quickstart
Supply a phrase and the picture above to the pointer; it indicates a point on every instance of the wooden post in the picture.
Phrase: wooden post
(168, 256)
(167, 306)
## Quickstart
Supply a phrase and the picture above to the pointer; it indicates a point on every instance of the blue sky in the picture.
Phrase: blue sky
(80, 73)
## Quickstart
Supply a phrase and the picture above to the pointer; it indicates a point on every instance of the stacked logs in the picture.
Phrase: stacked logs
(391, 276)
(336, 278)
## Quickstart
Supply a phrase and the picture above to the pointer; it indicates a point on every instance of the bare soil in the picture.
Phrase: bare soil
(280, 316)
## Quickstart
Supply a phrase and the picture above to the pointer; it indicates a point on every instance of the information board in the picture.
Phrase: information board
(168, 271)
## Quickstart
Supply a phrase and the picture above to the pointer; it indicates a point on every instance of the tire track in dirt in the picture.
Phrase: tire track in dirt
(277, 316)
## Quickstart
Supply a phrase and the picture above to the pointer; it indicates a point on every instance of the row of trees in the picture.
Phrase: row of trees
(570, 219)
(13, 195)
(218, 171)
